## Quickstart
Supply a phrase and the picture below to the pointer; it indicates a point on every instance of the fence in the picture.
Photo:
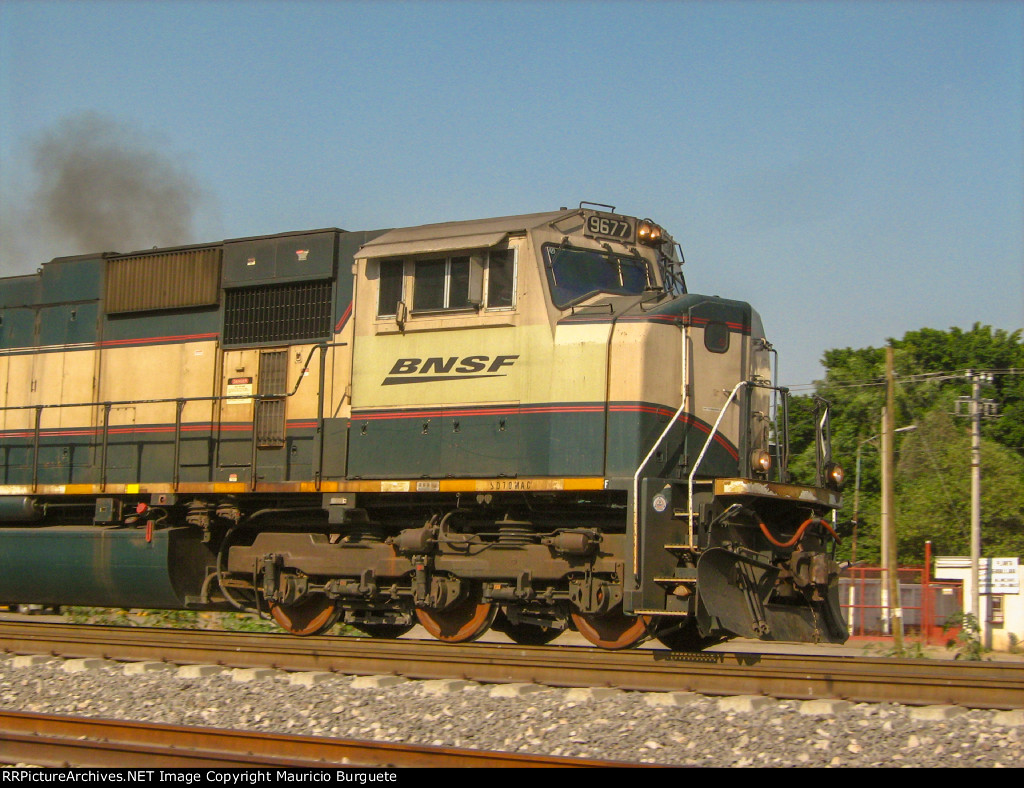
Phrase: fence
(926, 603)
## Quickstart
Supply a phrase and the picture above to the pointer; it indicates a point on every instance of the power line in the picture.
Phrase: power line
(924, 377)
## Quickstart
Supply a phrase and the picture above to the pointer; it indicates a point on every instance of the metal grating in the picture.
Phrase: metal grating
(163, 280)
(273, 377)
(278, 313)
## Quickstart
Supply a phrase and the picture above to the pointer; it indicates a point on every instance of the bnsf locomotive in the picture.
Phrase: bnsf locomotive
(523, 423)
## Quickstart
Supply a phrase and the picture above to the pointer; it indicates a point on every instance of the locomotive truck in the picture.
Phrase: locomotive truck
(524, 422)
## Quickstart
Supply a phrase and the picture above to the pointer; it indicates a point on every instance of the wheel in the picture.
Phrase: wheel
(685, 637)
(525, 634)
(462, 622)
(312, 616)
(613, 630)
(385, 631)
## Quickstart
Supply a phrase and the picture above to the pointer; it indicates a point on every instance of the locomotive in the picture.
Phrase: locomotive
(525, 422)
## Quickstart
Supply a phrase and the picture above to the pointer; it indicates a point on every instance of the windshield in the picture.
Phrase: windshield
(575, 274)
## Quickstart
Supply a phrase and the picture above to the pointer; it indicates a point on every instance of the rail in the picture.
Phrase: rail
(57, 740)
(718, 671)
(180, 403)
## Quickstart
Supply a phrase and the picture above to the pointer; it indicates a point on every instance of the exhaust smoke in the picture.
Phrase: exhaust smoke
(96, 185)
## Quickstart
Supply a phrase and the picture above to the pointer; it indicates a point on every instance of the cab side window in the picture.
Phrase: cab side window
(442, 284)
(471, 281)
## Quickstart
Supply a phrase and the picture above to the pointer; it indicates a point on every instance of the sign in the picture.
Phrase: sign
(998, 576)
(605, 225)
(995, 575)
(239, 387)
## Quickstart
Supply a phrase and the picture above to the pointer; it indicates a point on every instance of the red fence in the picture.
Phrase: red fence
(926, 603)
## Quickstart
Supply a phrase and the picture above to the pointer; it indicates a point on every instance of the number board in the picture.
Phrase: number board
(603, 225)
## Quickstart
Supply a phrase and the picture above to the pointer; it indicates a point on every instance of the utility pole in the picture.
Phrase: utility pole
(976, 496)
(977, 407)
(888, 506)
(886, 452)
(856, 489)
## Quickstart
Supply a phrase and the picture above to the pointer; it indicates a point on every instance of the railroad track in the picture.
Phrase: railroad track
(991, 685)
(61, 741)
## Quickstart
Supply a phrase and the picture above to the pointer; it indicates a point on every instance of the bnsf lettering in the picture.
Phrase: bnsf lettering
(473, 364)
(502, 361)
(438, 365)
(410, 370)
(404, 366)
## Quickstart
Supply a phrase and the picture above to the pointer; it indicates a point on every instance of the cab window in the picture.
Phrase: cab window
(575, 274)
(441, 284)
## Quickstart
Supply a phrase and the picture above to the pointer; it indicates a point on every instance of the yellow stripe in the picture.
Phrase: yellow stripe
(539, 484)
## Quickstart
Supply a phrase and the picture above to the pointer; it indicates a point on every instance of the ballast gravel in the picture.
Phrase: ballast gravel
(680, 729)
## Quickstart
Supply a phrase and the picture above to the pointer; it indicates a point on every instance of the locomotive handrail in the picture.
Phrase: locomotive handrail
(822, 438)
(657, 443)
(703, 451)
(181, 402)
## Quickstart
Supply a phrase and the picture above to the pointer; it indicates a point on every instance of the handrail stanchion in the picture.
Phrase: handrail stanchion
(35, 448)
(258, 400)
(177, 444)
(319, 448)
(103, 454)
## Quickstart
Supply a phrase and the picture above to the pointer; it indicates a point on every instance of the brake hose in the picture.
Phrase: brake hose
(799, 532)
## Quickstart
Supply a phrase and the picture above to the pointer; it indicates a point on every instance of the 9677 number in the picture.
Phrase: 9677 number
(609, 227)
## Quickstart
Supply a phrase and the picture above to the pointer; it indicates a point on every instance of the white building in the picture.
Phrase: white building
(1002, 604)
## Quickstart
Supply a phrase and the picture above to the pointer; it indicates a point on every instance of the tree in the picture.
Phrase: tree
(933, 471)
(934, 491)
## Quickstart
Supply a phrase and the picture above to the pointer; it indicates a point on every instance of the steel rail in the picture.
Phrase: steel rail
(995, 685)
(65, 741)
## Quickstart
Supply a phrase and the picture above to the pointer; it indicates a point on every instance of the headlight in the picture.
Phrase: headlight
(835, 475)
(649, 233)
(760, 461)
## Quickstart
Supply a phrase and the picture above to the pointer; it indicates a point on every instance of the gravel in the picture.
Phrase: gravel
(663, 728)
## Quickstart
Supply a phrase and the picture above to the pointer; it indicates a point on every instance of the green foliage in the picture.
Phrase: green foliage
(121, 617)
(184, 619)
(934, 491)
(967, 642)
(932, 481)
(100, 616)
(246, 622)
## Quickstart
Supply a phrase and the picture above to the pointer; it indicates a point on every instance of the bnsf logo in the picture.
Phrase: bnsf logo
(418, 370)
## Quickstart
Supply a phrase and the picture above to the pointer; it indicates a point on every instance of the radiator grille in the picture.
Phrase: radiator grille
(278, 313)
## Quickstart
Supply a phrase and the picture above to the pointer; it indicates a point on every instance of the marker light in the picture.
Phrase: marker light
(760, 461)
(835, 475)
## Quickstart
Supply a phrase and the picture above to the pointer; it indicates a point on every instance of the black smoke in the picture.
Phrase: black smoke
(96, 184)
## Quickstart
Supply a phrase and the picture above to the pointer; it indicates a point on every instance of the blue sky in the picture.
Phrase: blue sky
(853, 169)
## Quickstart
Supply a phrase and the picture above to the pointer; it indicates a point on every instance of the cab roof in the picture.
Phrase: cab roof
(452, 236)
